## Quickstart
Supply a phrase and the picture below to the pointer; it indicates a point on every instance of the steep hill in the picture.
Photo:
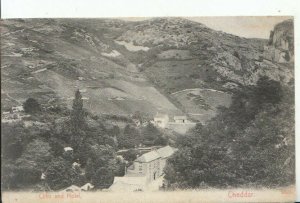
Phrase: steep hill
(184, 55)
(171, 65)
(51, 58)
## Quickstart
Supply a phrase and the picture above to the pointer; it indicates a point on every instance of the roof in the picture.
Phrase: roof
(132, 180)
(87, 186)
(147, 157)
(72, 188)
(179, 117)
(166, 151)
(68, 149)
(76, 164)
(128, 183)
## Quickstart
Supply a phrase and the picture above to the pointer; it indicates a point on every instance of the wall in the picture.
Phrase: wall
(147, 169)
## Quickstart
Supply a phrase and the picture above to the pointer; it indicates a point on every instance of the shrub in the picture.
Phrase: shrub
(31, 106)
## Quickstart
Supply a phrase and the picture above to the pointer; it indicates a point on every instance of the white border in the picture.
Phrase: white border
(151, 8)
(145, 8)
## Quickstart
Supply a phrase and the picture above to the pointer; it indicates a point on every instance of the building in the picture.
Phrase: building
(87, 187)
(66, 149)
(145, 169)
(161, 120)
(147, 165)
(75, 165)
(75, 188)
(72, 188)
(180, 124)
(151, 164)
(129, 184)
(16, 109)
(165, 153)
(180, 119)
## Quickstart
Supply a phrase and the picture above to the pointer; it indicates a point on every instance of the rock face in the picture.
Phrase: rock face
(280, 47)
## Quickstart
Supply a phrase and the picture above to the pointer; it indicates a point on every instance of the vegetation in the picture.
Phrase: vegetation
(31, 106)
(30, 151)
(249, 144)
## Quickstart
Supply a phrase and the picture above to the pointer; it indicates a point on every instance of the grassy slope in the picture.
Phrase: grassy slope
(69, 52)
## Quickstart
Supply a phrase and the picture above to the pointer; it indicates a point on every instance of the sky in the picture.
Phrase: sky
(249, 27)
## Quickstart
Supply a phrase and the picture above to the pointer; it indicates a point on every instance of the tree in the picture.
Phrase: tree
(103, 177)
(60, 174)
(12, 140)
(131, 155)
(130, 139)
(251, 142)
(77, 114)
(77, 120)
(151, 136)
(33, 162)
(31, 106)
(120, 167)
(37, 152)
(101, 166)
(9, 175)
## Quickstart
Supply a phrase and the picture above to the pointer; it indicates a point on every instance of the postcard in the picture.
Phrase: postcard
(148, 109)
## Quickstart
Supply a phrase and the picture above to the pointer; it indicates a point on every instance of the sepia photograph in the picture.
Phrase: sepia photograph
(147, 106)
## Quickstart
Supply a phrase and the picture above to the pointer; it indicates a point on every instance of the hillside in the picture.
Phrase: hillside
(184, 55)
(171, 65)
(50, 59)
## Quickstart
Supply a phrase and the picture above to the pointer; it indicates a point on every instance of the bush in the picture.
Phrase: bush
(31, 106)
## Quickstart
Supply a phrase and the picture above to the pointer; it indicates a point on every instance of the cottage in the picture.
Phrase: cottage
(72, 188)
(87, 187)
(180, 119)
(129, 184)
(161, 120)
(43, 176)
(16, 109)
(68, 149)
(75, 165)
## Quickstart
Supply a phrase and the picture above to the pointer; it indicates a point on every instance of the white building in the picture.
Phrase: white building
(87, 187)
(147, 165)
(72, 188)
(68, 149)
(129, 184)
(16, 109)
(161, 120)
(145, 169)
(180, 119)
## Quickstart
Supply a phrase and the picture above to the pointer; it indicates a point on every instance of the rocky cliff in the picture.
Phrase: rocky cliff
(280, 47)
